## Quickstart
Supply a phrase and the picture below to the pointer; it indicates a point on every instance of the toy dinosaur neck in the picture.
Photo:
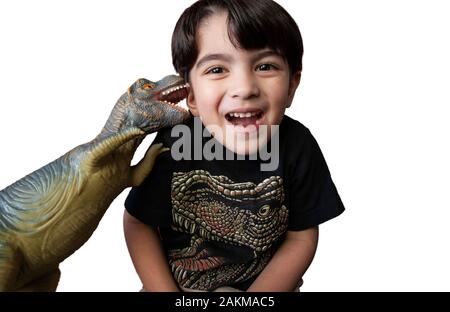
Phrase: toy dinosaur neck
(116, 120)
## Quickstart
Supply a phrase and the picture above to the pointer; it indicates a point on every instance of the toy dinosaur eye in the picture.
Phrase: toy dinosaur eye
(148, 86)
(264, 210)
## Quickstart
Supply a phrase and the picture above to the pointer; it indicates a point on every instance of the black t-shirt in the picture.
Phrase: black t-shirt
(221, 221)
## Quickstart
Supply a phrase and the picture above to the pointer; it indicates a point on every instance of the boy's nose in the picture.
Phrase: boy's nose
(244, 86)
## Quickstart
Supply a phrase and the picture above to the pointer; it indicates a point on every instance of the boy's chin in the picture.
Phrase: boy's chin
(246, 145)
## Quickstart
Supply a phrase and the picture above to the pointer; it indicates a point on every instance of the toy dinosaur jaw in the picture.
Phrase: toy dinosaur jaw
(173, 95)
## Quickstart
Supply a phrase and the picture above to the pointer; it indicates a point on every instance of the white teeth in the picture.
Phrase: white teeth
(168, 91)
(167, 102)
(243, 115)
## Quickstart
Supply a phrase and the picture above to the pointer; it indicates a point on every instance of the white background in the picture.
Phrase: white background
(374, 92)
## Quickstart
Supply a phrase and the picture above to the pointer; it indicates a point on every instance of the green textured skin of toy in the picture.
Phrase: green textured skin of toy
(49, 214)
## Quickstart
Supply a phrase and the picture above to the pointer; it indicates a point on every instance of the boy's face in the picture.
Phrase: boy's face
(235, 91)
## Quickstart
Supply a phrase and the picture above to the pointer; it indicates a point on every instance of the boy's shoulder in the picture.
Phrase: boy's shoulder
(292, 124)
(297, 144)
(292, 130)
(166, 137)
(163, 136)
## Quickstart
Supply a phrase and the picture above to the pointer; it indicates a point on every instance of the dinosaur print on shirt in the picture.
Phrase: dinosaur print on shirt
(217, 213)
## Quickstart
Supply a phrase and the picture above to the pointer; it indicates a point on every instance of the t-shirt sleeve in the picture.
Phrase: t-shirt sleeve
(150, 201)
(313, 196)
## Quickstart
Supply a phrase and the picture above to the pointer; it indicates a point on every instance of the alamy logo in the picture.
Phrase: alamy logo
(257, 142)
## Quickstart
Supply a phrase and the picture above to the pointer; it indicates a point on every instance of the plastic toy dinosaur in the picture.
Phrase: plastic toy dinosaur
(49, 214)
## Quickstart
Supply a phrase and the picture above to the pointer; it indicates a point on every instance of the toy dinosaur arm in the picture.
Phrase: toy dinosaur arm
(107, 145)
(143, 168)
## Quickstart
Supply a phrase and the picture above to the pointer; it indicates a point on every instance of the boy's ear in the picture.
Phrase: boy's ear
(191, 103)
(293, 84)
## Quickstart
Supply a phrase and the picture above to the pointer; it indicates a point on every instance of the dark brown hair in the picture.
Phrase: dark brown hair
(252, 24)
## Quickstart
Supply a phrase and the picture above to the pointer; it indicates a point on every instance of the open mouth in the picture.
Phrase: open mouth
(173, 95)
(245, 118)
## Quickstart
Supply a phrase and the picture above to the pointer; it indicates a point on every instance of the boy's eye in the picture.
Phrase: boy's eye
(215, 70)
(265, 67)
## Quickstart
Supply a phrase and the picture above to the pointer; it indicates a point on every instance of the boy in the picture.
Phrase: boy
(207, 224)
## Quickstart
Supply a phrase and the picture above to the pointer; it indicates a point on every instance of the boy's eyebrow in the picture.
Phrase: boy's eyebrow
(213, 57)
(228, 58)
(265, 53)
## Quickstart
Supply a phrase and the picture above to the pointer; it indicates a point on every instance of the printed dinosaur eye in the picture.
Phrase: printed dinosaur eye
(148, 86)
(264, 210)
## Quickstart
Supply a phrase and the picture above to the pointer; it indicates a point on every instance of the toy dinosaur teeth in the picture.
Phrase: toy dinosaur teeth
(173, 89)
(174, 95)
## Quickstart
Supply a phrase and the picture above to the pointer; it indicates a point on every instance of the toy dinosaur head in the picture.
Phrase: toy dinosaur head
(153, 105)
